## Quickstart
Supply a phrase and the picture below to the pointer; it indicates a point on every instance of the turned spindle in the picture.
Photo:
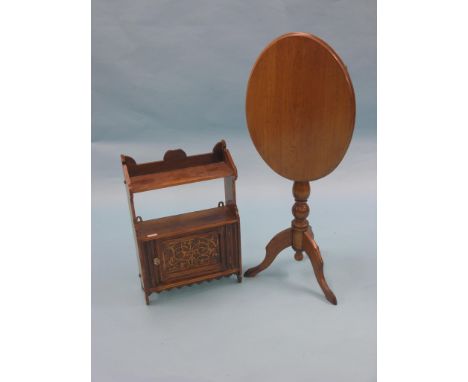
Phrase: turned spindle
(300, 210)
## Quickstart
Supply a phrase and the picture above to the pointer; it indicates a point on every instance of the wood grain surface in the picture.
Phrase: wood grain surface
(300, 107)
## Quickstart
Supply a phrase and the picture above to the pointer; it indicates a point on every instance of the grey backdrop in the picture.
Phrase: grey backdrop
(170, 74)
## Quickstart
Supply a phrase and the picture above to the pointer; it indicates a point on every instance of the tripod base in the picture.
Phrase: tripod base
(300, 238)
(282, 241)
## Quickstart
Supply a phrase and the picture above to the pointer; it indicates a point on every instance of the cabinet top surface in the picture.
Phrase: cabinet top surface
(184, 223)
(300, 107)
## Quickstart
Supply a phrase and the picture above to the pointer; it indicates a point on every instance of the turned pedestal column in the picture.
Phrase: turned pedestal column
(300, 210)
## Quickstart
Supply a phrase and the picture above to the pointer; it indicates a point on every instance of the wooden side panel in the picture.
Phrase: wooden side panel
(151, 279)
(233, 246)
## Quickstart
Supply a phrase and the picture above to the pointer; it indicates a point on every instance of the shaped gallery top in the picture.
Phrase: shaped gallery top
(177, 168)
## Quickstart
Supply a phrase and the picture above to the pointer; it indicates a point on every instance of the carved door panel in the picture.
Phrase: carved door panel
(191, 255)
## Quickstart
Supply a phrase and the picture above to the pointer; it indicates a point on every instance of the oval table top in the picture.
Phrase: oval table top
(300, 107)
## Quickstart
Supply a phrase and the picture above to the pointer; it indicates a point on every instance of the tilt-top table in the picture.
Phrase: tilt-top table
(300, 111)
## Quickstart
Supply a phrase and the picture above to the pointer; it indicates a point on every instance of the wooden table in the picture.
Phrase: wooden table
(300, 111)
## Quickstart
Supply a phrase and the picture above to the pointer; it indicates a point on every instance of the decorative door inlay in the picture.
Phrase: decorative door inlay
(190, 252)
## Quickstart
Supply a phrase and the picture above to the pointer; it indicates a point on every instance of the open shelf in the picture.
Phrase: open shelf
(182, 176)
(177, 168)
(184, 223)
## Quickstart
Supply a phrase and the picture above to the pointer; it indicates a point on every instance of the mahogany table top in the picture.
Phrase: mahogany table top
(300, 107)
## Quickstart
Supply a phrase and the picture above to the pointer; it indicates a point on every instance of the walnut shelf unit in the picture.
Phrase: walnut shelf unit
(193, 247)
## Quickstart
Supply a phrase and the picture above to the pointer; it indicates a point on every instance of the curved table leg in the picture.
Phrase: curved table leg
(281, 241)
(313, 251)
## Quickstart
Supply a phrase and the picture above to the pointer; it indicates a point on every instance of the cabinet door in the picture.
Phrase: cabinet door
(191, 255)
